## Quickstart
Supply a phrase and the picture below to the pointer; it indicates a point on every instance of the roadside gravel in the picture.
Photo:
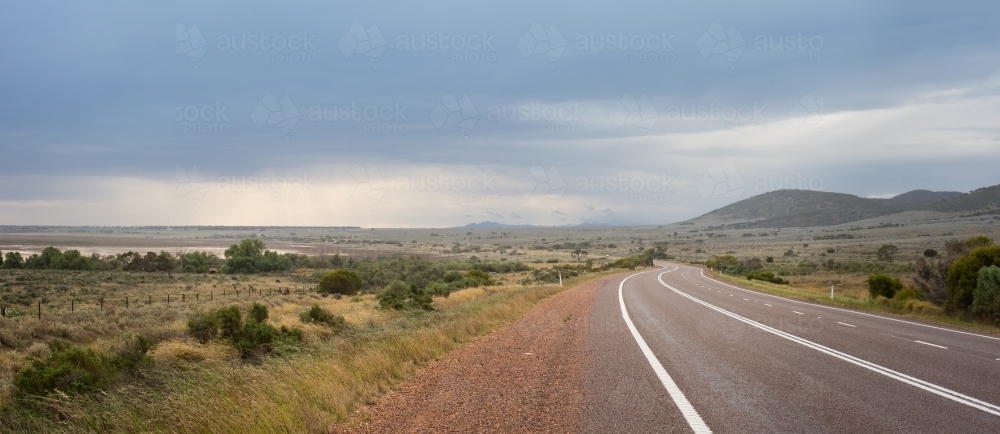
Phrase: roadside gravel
(526, 376)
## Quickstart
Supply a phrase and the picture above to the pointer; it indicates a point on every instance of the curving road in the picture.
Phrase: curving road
(671, 350)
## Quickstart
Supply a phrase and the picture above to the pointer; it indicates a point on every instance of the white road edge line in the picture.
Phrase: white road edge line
(916, 382)
(846, 324)
(847, 310)
(687, 410)
(928, 343)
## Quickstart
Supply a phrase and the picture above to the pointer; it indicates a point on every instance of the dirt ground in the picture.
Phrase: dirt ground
(526, 376)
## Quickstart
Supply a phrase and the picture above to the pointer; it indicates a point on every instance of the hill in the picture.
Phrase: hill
(797, 208)
(981, 201)
(802, 208)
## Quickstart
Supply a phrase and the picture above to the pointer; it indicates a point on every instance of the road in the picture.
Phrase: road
(671, 350)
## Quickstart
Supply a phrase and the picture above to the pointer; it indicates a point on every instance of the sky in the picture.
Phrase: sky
(396, 114)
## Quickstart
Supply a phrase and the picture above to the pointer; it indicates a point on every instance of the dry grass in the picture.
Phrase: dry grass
(858, 299)
(204, 388)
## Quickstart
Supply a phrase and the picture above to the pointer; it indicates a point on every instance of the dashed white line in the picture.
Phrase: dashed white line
(746, 299)
(846, 324)
(800, 313)
(928, 343)
(899, 376)
(765, 304)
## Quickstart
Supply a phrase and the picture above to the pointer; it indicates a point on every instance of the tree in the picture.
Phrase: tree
(887, 252)
(880, 284)
(578, 254)
(13, 260)
(986, 298)
(250, 257)
(344, 282)
(963, 274)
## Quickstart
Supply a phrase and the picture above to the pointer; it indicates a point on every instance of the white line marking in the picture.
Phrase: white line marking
(800, 313)
(746, 299)
(848, 310)
(916, 382)
(765, 304)
(928, 343)
(690, 414)
(846, 324)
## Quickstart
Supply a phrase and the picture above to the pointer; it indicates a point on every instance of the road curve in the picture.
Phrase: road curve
(671, 350)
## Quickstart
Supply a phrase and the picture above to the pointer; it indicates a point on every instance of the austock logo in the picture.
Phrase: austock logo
(190, 183)
(630, 111)
(368, 42)
(807, 111)
(726, 42)
(721, 182)
(451, 110)
(538, 182)
(539, 40)
(272, 111)
(190, 42)
(364, 182)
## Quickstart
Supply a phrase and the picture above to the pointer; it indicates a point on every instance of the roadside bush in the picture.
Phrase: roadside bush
(75, 370)
(766, 276)
(964, 273)
(344, 282)
(930, 253)
(986, 299)
(318, 315)
(400, 296)
(882, 285)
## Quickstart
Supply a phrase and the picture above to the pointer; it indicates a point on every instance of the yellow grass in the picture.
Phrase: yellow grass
(204, 388)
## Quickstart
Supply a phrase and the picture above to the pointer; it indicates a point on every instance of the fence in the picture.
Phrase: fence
(129, 302)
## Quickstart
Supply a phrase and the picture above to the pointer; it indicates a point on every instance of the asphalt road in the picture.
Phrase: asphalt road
(701, 355)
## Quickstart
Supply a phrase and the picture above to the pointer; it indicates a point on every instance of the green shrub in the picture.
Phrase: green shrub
(964, 273)
(986, 299)
(930, 253)
(439, 289)
(345, 282)
(400, 296)
(766, 276)
(75, 370)
(254, 339)
(258, 312)
(203, 327)
(882, 285)
(230, 321)
(69, 369)
(318, 315)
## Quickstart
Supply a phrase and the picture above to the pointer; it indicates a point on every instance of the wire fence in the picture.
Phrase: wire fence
(130, 302)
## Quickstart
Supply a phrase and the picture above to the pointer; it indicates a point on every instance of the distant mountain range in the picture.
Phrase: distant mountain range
(496, 225)
(801, 208)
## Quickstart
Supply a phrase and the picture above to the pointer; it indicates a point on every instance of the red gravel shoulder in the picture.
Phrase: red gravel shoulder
(526, 376)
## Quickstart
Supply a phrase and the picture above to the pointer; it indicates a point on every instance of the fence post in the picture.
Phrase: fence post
(71, 305)
(39, 310)
(102, 304)
(210, 296)
(3, 311)
(126, 302)
(168, 299)
(182, 297)
(196, 296)
(150, 302)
